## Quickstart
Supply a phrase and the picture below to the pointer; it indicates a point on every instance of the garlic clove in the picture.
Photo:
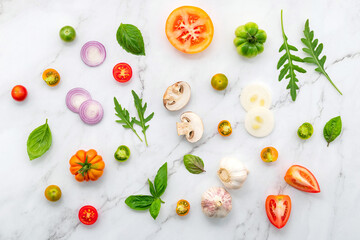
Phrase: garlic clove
(216, 202)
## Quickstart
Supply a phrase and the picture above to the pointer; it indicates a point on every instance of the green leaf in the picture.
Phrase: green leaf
(155, 208)
(39, 141)
(194, 164)
(129, 37)
(139, 202)
(160, 181)
(332, 129)
(314, 50)
(151, 188)
(282, 61)
(141, 111)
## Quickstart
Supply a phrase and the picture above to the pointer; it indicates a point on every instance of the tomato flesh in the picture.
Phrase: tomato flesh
(302, 179)
(88, 215)
(51, 77)
(278, 208)
(19, 93)
(122, 153)
(182, 207)
(122, 72)
(269, 154)
(224, 128)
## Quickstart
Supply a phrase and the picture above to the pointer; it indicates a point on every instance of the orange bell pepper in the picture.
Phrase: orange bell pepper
(87, 165)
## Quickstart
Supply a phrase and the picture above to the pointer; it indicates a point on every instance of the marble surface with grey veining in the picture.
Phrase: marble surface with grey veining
(29, 43)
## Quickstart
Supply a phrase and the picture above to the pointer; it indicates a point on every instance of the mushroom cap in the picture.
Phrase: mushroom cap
(191, 126)
(177, 96)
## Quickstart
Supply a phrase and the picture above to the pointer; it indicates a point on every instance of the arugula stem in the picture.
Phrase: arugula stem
(139, 136)
(145, 140)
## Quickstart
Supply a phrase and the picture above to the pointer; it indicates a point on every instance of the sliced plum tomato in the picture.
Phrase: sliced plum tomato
(269, 154)
(302, 179)
(51, 77)
(278, 208)
(88, 215)
(224, 128)
(182, 207)
(122, 72)
(189, 29)
(19, 93)
(53, 193)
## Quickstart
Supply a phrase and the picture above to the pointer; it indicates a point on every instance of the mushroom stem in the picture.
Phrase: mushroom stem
(183, 128)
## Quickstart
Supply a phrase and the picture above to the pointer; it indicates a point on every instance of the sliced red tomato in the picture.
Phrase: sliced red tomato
(88, 215)
(278, 208)
(189, 29)
(302, 179)
(122, 72)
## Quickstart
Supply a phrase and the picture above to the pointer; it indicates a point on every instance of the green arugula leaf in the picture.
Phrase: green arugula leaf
(39, 141)
(194, 164)
(314, 50)
(139, 202)
(155, 208)
(141, 111)
(151, 188)
(332, 129)
(161, 180)
(124, 115)
(289, 68)
(129, 37)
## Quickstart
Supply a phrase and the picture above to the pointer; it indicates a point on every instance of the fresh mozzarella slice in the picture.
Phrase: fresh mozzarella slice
(259, 122)
(255, 95)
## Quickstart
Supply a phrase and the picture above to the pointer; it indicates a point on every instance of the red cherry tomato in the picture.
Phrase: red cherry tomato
(88, 215)
(19, 93)
(122, 72)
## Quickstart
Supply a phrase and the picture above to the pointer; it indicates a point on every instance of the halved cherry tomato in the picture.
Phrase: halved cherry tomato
(224, 128)
(189, 29)
(182, 207)
(53, 193)
(88, 215)
(122, 72)
(302, 179)
(19, 93)
(269, 154)
(51, 77)
(278, 208)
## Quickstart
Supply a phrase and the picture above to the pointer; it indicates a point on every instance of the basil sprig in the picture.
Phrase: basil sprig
(332, 129)
(153, 203)
(130, 39)
(194, 164)
(39, 141)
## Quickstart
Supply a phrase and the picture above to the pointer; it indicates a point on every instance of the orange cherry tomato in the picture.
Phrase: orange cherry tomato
(269, 154)
(86, 165)
(224, 128)
(19, 93)
(302, 179)
(182, 207)
(88, 215)
(122, 72)
(278, 208)
(51, 77)
(189, 29)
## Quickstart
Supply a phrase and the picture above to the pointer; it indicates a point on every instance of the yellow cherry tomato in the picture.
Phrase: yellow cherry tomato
(182, 207)
(224, 128)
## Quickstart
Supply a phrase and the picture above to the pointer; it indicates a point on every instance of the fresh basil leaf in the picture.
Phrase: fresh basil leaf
(161, 180)
(194, 164)
(152, 189)
(332, 129)
(39, 141)
(130, 39)
(155, 208)
(139, 202)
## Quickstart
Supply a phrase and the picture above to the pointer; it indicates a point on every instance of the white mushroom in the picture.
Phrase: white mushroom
(191, 126)
(177, 96)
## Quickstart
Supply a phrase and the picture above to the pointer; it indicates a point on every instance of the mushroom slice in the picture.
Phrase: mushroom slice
(191, 126)
(177, 96)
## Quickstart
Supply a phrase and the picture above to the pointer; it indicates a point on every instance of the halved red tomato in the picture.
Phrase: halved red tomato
(88, 215)
(189, 29)
(278, 208)
(122, 72)
(302, 179)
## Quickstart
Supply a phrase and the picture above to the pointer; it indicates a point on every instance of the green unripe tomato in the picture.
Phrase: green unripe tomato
(122, 153)
(53, 193)
(305, 131)
(219, 81)
(249, 40)
(67, 33)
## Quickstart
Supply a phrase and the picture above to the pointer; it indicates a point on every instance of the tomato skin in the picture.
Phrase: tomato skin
(67, 33)
(295, 177)
(122, 72)
(219, 81)
(51, 77)
(52, 193)
(276, 205)
(182, 207)
(269, 154)
(224, 128)
(88, 215)
(19, 93)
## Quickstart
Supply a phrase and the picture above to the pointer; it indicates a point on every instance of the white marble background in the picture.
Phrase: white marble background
(29, 43)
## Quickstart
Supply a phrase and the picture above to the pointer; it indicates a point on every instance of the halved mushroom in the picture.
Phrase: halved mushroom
(191, 126)
(177, 96)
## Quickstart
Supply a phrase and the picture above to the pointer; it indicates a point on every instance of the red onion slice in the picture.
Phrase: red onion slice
(93, 53)
(75, 97)
(91, 112)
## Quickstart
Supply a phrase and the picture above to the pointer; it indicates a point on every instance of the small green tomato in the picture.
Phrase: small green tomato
(122, 153)
(67, 34)
(305, 131)
(219, 81)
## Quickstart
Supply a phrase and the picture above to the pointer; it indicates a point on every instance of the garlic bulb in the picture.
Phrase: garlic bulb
(232, 173)
(216, 202)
